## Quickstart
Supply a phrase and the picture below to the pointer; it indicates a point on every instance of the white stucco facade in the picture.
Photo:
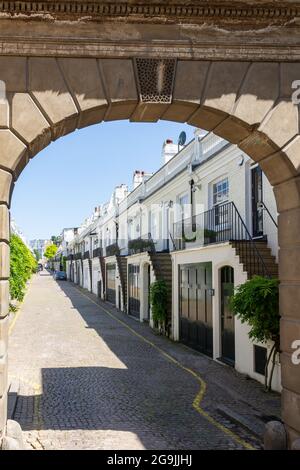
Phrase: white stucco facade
(205, 174)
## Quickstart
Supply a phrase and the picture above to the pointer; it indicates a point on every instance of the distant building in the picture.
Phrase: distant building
(39, 245)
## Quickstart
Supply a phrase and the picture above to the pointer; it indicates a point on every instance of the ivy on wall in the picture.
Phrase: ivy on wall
(22, 265)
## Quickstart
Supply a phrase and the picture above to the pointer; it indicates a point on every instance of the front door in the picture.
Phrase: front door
(195, 306)
(227, 317)
(149, 286)
(111, 283)
(134, 290)
(257, 197)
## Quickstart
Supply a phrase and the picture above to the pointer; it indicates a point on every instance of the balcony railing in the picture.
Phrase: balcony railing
(140, 245)
(86, 254)
(97, 252)
(69, 257)
(78, 256)
(112, 250)
(221, 224)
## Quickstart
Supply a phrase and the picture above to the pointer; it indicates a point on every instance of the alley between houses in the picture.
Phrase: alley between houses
(91, 377)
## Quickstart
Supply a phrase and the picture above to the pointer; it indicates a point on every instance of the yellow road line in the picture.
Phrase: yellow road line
(198, 399)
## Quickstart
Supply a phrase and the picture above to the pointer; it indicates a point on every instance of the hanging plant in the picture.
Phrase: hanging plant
(185, 238)
(158, 301)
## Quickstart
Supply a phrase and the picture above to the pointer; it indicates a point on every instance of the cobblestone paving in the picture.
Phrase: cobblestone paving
(88, 382)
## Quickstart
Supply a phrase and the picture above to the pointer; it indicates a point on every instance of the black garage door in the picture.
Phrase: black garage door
(195, 306)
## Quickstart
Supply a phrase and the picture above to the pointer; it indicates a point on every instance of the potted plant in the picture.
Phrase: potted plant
(158, 301)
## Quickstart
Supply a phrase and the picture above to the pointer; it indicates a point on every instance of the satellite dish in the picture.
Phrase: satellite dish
(182, 138)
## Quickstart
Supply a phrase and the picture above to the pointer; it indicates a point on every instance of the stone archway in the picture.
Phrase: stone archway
(51, 92)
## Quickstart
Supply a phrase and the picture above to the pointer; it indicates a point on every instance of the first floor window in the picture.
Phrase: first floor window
(220, 197)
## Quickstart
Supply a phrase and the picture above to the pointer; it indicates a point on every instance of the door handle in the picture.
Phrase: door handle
(229, 317)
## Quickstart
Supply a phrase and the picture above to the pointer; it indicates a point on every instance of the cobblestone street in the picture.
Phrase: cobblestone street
(93, 378)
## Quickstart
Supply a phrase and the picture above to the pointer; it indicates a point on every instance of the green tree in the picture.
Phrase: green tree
(256, 302)
(56, 240)
(50, 251)
(22, 265)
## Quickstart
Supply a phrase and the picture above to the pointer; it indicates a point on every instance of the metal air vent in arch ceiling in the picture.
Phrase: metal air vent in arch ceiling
(156, 77)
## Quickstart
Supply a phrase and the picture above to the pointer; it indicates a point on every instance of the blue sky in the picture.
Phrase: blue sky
(63, 183)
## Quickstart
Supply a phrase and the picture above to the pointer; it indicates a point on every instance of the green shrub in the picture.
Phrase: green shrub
(158, 300)
(22, 265)
(256, 302)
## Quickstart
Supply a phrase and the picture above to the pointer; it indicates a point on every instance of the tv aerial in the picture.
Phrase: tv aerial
(181, 139)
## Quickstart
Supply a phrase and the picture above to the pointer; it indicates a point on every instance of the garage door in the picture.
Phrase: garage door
(195, 306)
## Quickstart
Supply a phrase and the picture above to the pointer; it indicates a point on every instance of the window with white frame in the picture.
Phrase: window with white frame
(154, 225)
(220, 197)
(183, 207)
(220, 191)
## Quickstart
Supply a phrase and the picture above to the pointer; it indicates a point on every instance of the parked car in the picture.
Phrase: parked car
(60, 276)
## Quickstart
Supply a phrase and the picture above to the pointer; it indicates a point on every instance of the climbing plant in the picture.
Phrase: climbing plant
(22, 265)
(256, 302)
(158, 301)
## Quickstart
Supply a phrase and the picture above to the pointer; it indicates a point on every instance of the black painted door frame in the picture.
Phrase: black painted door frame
(256, 198)
(111, 283)
(227, 322)
(134, 282)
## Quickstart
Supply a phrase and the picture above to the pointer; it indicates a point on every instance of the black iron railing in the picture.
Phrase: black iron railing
(86, 254)
(77, 256)
(141, 244)
(97, 252)
(264, 208)
(221, 224)
(112, 250)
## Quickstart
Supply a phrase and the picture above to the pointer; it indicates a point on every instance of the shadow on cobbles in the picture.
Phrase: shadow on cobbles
(147, 394)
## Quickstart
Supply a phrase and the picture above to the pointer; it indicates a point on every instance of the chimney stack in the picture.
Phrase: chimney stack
(138, 177)
(168, 151)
